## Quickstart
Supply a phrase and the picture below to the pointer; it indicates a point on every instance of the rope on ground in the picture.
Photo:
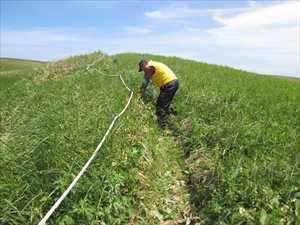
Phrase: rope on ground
(84, 168)
(95, 61)
(120, 76)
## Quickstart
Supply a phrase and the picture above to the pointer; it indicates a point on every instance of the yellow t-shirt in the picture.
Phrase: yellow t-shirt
(162, 75)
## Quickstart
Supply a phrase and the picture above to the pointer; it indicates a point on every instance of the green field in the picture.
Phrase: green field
(12, 70)
(231, 155)
(8, 64)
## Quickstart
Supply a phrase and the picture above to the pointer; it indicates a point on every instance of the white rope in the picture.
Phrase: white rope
(124, 83)
(84, 168)
(95, 61)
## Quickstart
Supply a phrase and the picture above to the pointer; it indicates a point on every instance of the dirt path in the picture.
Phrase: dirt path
(163, 196)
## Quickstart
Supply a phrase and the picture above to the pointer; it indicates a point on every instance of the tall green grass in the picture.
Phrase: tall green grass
(50, 130)
(239, 133)
(13, 70)
(10, 64)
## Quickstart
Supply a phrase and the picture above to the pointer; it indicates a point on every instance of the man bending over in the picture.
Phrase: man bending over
(163, 77)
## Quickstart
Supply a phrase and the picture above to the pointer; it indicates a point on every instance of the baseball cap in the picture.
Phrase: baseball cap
(141, 64)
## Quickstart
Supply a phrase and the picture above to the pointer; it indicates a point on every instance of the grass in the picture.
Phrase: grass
(13, 70)
(231, 156)
(10, 64)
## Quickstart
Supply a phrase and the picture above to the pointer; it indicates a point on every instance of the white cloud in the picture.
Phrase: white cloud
(40, 36)
(270, 29)
(269, 34)
(265, 45)
(262, 37)
(181, 10)
(252, 3)
(44, 43)
(286, 13)
(137, 30)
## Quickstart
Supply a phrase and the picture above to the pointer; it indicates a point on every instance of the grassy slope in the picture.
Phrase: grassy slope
(12, 70)
(238, 132)
(49, 128)
(8, 64)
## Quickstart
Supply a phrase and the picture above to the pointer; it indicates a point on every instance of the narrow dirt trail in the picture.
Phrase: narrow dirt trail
(163, 197)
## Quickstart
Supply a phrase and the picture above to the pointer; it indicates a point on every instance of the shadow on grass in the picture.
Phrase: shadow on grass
(192, 180)
(175, 130)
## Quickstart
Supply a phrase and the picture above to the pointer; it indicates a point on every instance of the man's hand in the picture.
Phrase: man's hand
(144, 87)
(142, 91)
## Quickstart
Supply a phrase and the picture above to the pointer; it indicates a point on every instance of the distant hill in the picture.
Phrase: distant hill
(9, 64)
(230, 156)
(12, 70)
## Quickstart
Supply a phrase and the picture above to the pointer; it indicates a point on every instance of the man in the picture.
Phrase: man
(163, 77)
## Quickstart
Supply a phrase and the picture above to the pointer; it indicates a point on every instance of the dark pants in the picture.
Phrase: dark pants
(164, 99)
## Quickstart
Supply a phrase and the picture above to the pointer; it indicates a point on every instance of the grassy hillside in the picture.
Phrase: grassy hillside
(12, 70)
(8, 64)
(231, 155)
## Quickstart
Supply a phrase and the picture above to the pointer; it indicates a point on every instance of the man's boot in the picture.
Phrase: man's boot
(162, 117)
(172, 111)
(162, 123)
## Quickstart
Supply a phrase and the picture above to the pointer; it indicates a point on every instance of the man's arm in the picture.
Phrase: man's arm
(146, 80)
(144, 86)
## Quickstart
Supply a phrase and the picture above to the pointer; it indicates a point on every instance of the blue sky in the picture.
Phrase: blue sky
(259, 36)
